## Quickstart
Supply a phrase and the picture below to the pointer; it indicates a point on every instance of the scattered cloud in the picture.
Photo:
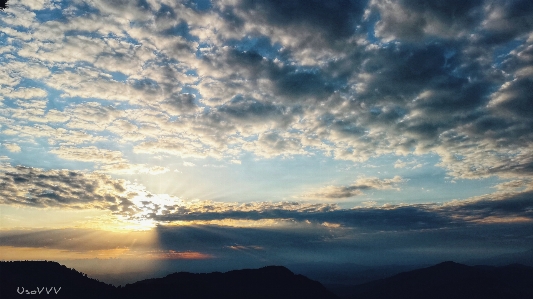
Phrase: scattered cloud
(88, 154)
(114, 86)
(513, 185)
(126, 168)
(12, 147)
(32, 187)
(277, 79)
(355, 189)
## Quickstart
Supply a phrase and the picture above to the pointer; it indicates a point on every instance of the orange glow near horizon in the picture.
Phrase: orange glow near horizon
(11, 253)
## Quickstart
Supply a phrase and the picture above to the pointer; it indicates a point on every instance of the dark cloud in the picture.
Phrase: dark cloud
(332, 19)
(311, 242)
(506, 21)
(240, 107)
(398, 218)
(301, 84)
(510, 207)
(401, 72)
(415, 19)
(515, 99)
(249, 111)
(33, 187)
(289, 83)
(180, 104)
(357, 188)
(499, 207)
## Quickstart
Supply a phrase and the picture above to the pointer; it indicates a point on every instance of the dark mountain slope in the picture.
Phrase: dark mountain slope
(452, 280)
(49, 277)
(268, 282)
(53, 280)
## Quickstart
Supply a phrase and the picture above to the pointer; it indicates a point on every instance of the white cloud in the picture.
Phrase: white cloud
(26, 93)
(12, 147)
(88, 154)
(125, 168)
(31, 4)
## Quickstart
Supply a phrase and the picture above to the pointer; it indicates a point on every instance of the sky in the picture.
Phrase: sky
(240, 133)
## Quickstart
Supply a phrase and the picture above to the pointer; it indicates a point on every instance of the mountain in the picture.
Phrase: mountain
(452, 280)
(444, 280)
(268, 282)
(57, 281)
(49, 278)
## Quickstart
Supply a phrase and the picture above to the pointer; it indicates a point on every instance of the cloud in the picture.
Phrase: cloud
(513, 185)
(179, 104)
(88, 154)
(53, 135)
(400, 164)
(271, 144)
(176, 146)
(25, 93)
(12, 147)
(355, 189)
(32, 4)
(216, 224)
(492, 208)
(414, 20)
(90, 84)
(344, 79)
(125, 168)
(33, 187)
(108, 161)
(110, 82)
(507, 20)
(505, 208)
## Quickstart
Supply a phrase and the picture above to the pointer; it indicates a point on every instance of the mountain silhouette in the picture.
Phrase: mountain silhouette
(452, 280)
(444, 280)
(49, 279)
(268, 282)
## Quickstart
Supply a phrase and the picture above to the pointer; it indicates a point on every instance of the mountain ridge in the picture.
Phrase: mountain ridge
(451, 280)
(267, 282)
(444, 280)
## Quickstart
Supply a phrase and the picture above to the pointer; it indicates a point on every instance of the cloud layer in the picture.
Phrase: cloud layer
(348, 79)
(113, 89)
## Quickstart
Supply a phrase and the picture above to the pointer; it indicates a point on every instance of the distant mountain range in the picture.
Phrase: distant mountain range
(449, 280)
(444, 280)
(348, 273)
(49, 279)
(56, 281)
